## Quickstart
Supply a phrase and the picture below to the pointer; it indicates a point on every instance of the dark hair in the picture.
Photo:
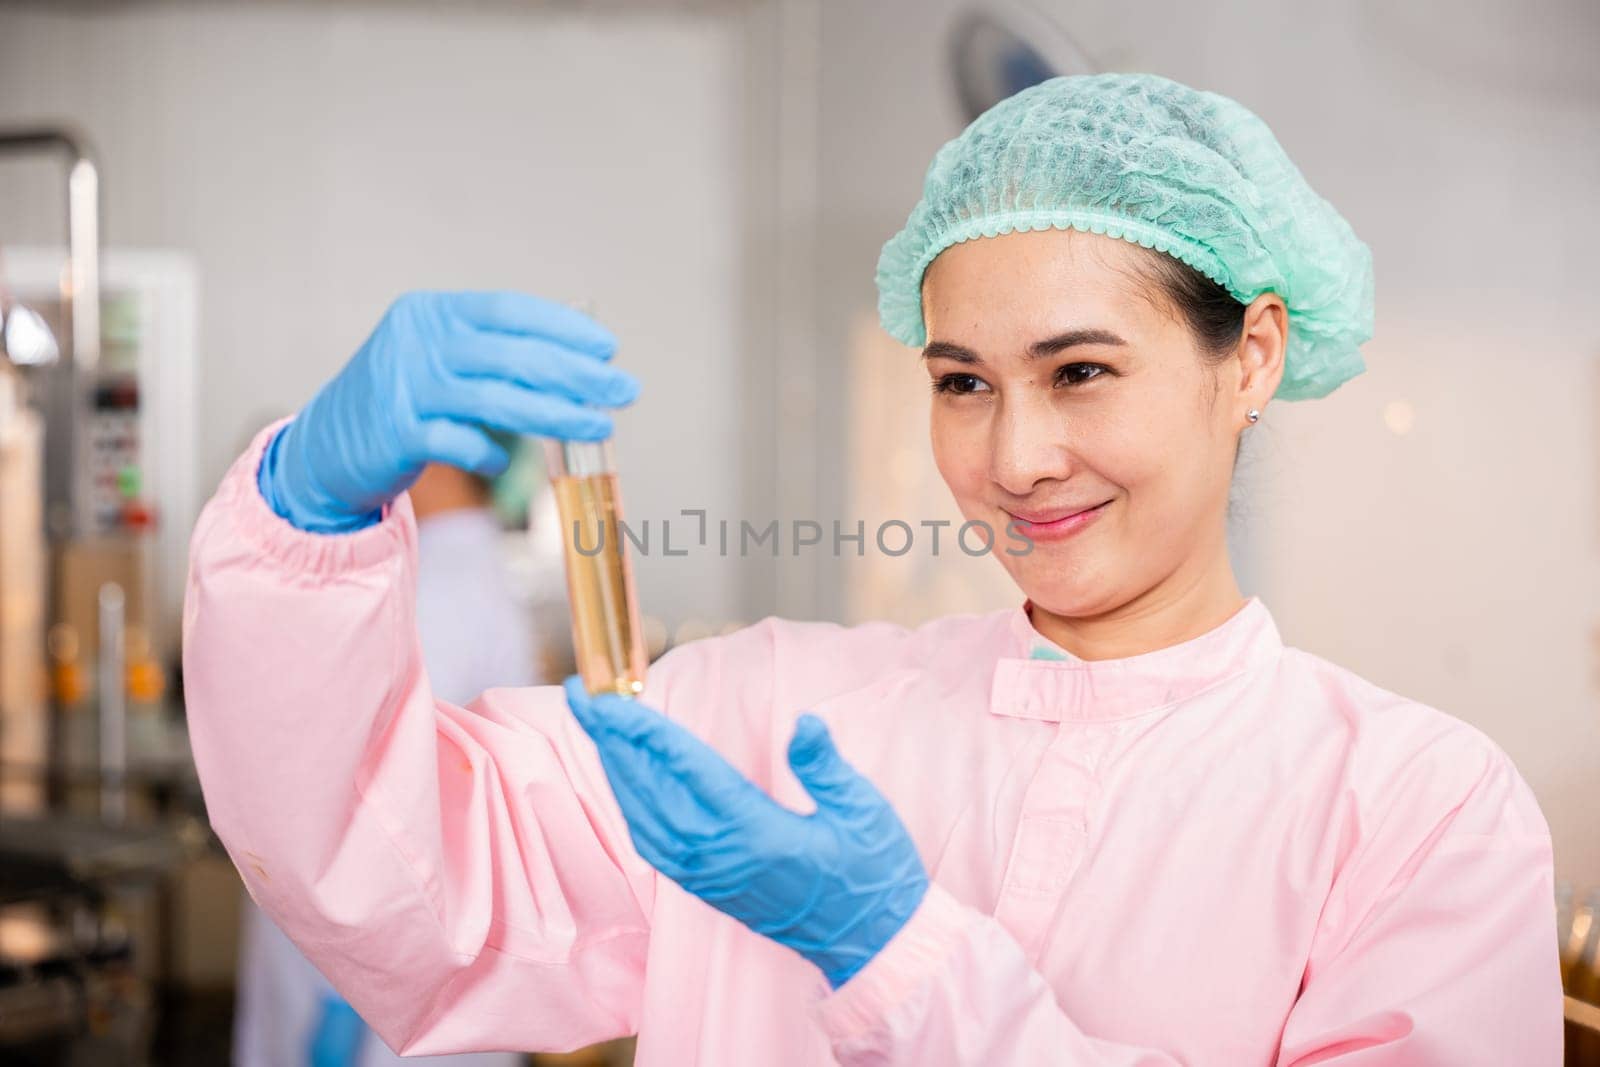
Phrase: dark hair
(1214, 316)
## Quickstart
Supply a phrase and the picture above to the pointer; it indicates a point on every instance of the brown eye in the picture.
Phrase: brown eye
(958, 384)
(1078, 373)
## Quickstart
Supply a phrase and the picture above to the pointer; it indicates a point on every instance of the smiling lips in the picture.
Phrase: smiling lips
(1057, 524)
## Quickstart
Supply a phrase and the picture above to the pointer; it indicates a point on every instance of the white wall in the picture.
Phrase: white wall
(1456, 564)
(317, 161)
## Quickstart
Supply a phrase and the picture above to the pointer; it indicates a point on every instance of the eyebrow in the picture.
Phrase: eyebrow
(1038, 350)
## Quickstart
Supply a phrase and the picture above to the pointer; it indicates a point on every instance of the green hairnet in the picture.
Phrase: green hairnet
(1189, 173)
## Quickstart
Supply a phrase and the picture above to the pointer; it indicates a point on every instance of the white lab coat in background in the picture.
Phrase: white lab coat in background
(474, 637)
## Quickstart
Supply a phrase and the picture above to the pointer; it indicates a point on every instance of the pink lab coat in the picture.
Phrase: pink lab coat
(1223, 853)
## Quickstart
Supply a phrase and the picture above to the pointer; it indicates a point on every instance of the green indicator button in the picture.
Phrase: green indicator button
(128, 482)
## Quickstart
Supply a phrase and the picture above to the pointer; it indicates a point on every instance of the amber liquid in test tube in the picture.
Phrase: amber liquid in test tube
(605, 611)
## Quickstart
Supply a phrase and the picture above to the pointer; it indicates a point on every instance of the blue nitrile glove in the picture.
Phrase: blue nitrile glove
(439, 368)
(336, 1042)
(834, 885)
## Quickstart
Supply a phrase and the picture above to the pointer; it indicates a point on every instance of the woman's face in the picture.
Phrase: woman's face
(1063, 382)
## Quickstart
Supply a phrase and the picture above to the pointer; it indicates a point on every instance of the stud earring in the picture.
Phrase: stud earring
(1253, 415)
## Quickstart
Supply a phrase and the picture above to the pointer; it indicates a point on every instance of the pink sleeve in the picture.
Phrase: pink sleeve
(1437, 946)
(462, 876)
(1438, 949)
(954, 978)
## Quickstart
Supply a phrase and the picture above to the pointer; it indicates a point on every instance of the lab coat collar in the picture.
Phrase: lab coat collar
(1077, 690)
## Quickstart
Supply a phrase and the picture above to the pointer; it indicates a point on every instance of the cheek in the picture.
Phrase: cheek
(959, 451)
(1123, 448)
(1168, 470)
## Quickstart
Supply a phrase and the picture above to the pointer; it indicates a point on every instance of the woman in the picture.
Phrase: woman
(1118, 824)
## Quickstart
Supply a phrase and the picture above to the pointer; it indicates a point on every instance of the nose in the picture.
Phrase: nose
(1030, 442)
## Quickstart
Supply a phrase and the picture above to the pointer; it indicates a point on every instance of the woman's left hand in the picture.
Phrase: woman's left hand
(834, 885)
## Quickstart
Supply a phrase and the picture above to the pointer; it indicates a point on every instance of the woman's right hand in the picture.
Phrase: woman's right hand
(439, 368)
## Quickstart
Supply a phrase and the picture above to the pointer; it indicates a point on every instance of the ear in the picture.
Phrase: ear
(1263, 342)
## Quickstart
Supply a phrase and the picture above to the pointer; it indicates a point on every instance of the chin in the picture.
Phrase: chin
(1070, 589)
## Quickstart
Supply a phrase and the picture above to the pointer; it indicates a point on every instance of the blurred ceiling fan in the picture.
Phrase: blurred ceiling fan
(999, 49)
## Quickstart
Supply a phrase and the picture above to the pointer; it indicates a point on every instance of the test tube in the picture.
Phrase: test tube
(605, 612)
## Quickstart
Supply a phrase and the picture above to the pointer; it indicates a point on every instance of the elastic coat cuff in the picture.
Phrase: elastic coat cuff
(917, 951)
(300, 550)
